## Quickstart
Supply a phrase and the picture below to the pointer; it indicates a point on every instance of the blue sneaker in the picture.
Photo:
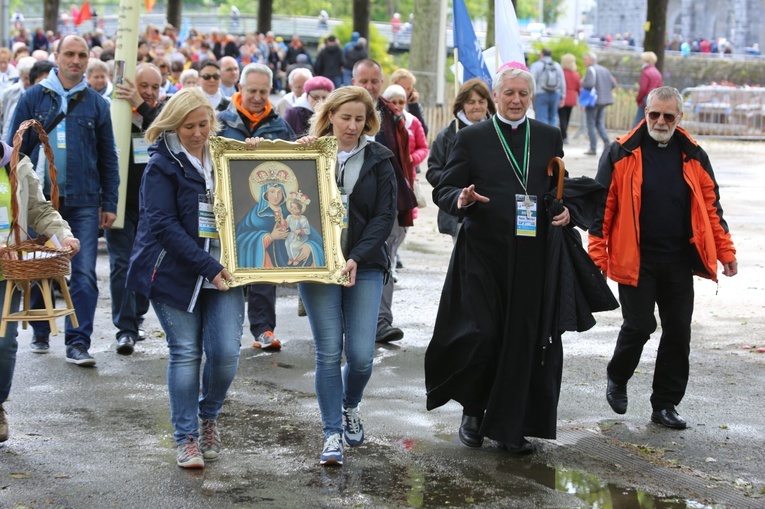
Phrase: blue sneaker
(353, 429)
(333, 450)
(79, 355)
(40, 344)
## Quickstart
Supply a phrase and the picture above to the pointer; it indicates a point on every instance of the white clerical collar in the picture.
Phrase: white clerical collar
(513, 123)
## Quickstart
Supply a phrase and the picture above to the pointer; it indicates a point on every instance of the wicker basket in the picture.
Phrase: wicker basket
(31, 259)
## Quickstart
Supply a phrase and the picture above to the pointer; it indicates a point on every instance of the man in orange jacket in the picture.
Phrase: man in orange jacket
(661, 223)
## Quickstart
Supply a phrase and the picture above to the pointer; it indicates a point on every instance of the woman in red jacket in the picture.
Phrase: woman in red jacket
(650, 78)
(573, 84)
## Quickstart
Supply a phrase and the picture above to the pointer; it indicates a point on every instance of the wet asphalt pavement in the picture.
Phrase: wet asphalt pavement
(101, 438)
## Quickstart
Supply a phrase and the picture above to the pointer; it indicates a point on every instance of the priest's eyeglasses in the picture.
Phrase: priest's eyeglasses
(668, 117)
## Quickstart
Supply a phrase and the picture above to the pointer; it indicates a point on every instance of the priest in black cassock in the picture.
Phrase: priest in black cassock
(486, 352)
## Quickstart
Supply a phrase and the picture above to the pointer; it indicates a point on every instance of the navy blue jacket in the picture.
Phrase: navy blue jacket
(93, 178)
(170, 261)
(372, 208)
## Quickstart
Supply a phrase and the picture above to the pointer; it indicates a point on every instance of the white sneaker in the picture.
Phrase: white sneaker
(353, 429)
(333, 450)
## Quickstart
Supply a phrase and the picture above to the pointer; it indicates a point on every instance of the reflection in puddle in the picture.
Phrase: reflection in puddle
(595, 493)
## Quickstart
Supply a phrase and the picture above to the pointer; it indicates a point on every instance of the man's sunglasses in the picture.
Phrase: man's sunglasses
(668, 117)
(210, 76)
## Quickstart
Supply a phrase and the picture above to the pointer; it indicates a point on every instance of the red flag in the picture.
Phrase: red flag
(84, 14)
(149, 4)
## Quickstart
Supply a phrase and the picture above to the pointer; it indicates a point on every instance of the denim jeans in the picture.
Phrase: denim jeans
(546, 107)
(347, 77)
(333, 310)
(84, 222)
(215, 329)
(640, 114)
(8, 345)
(596, 121)
(128, 307)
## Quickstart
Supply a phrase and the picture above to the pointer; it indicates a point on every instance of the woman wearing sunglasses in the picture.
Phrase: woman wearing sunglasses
(209, 82)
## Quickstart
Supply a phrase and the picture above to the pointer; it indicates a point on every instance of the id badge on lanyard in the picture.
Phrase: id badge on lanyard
(525, 215)
(344, 200)
(140, 149)
(61, 134)
(207, 228)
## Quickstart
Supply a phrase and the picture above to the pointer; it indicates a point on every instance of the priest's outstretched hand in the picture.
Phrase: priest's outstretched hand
(468, 196)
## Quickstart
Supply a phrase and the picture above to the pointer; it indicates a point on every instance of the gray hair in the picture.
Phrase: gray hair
(24, 65)
(299, 71)
(592, 56)
(511, 73)
(258, 68)
(666, 94)
(95, 64)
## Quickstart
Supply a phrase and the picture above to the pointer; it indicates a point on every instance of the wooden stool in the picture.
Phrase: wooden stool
(49, 313)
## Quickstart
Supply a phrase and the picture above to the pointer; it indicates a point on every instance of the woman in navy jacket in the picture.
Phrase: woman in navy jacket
(178, 270)
(345, 317)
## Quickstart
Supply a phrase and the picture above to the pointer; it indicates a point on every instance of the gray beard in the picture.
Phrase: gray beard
(661, 137)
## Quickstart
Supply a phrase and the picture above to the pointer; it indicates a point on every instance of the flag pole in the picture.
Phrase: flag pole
(456, 80)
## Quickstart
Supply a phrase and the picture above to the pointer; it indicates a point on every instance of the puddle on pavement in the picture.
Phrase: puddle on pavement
(595, 493)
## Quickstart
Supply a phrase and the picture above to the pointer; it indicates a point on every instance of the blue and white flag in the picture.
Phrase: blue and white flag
(470, 53)
(507, 33)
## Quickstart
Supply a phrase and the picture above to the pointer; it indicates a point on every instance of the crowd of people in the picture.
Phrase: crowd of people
(493, 350)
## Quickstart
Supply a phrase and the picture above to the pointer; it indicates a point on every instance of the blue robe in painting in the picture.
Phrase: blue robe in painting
(259, 222)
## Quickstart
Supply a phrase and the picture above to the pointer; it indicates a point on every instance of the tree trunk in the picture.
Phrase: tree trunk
(490, 24)
(174, 8)
(50, 15)
(657, 28)
(422, 56)
(362, 16)
(265, 11)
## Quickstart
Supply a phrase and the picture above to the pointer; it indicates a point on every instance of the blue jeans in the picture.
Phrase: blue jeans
(347, 77)
(215, 329)
(333, 310)
(8, 345)
(84, 222)
(640, 114)
(546, 107)
(596, 120)
(128, 307)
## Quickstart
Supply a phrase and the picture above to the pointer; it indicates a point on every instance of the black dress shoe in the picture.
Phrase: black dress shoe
(387, 333)
(125, 345)
(470, 431)
(669, 418)
(524, 447)
(617, 396)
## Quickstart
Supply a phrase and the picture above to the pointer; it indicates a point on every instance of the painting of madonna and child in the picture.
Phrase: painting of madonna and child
(277, 214)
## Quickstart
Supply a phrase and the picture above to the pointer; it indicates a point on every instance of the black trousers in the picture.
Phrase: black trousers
(261, 308)
(670, 286)
(564, 115)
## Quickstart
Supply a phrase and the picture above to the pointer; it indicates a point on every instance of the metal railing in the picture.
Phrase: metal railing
(720, 112)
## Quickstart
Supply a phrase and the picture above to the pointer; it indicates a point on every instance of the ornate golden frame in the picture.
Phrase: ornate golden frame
(303, 172)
